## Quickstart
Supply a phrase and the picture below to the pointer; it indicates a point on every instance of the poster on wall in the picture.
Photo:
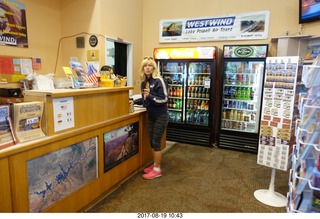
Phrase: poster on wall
(120, 144)
(13, 24)
(244, 26)
(277, 112)
(56, 175)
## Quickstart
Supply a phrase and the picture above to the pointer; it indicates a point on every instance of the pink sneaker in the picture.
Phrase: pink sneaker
(152, 174)
(148, 169)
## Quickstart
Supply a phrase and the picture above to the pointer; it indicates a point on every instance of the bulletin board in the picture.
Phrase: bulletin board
(14, 69)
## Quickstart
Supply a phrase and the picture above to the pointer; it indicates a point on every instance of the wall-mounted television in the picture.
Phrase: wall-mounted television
(309, 11)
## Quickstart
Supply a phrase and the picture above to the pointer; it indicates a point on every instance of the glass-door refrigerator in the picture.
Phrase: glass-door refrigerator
(191, 76)
(243, 68)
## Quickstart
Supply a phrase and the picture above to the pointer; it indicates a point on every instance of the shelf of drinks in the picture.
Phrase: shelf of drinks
(199, 73)
(197, 98)
(195, 85)
(171, 73)
(236, 125)
(197, 117)
(175, 109)
(239, 92)
(238, 130)
(246, 79)
(239, 105)
(232, 108)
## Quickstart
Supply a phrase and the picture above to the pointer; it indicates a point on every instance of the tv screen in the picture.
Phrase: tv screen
(309, 11)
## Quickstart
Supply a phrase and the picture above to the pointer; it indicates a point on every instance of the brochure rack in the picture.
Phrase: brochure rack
(306, 151)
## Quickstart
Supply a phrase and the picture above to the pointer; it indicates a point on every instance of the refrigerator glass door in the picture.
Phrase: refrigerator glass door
(198, 93)
(241, 102)
(173, 72)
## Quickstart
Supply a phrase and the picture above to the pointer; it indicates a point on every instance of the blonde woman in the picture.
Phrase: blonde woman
(155, 97)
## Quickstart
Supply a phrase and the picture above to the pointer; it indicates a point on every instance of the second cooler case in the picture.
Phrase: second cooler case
(192, 104)
(243, 68)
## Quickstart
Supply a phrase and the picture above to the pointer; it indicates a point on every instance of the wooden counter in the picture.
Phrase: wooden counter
(111, 113)
(92, 105)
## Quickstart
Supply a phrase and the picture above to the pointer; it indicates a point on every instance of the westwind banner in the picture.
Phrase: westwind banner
(244, 26)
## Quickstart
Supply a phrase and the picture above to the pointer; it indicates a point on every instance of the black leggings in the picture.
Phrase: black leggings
(156, 128)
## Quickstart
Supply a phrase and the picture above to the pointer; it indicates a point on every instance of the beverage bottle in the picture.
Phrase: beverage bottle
(199, 80)
(245, 79)
(235, 114)
(203, 94)
(203, 105)
(251, 94)
(199, 105)
(206, 118)
(231, 115)
(174, 105)
(238, 93)
(232, 92)
(197, 117)
(192, 91)
(191, 104)
(208, 69)
(225, 92)
(199, 92)
(206, 107)
(242, 95)
(208, 93)
(178, 117)
(188, 117)
(247, 93)
(224, 114)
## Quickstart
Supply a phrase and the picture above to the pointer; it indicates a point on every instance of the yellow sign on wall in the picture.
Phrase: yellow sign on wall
(93, 55)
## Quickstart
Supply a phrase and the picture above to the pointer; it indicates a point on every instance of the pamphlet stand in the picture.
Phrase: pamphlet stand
(269, 196)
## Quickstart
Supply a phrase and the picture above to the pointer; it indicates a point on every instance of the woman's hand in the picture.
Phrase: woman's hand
(145, 93)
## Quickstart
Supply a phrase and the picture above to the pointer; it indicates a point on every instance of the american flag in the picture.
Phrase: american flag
(93, 75)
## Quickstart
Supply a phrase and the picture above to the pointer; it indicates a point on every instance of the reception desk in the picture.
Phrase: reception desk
(69, 169)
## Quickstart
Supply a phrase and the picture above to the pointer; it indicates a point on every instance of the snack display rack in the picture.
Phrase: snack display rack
(304, 178)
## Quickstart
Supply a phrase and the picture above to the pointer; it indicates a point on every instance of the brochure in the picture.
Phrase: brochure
(7, 137)
(27, 120)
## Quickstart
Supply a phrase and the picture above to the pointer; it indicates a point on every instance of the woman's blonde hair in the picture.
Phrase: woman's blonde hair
(149, 61)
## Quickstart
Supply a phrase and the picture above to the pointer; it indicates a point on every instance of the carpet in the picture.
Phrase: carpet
(197, 179)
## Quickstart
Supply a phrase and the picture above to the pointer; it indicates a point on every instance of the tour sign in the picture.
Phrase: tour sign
(93, 40)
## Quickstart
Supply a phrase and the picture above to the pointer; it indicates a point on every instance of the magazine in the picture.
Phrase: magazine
(7, 137)
(27, 120)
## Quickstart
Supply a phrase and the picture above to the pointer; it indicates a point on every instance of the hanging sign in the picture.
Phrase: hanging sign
(244, 26)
